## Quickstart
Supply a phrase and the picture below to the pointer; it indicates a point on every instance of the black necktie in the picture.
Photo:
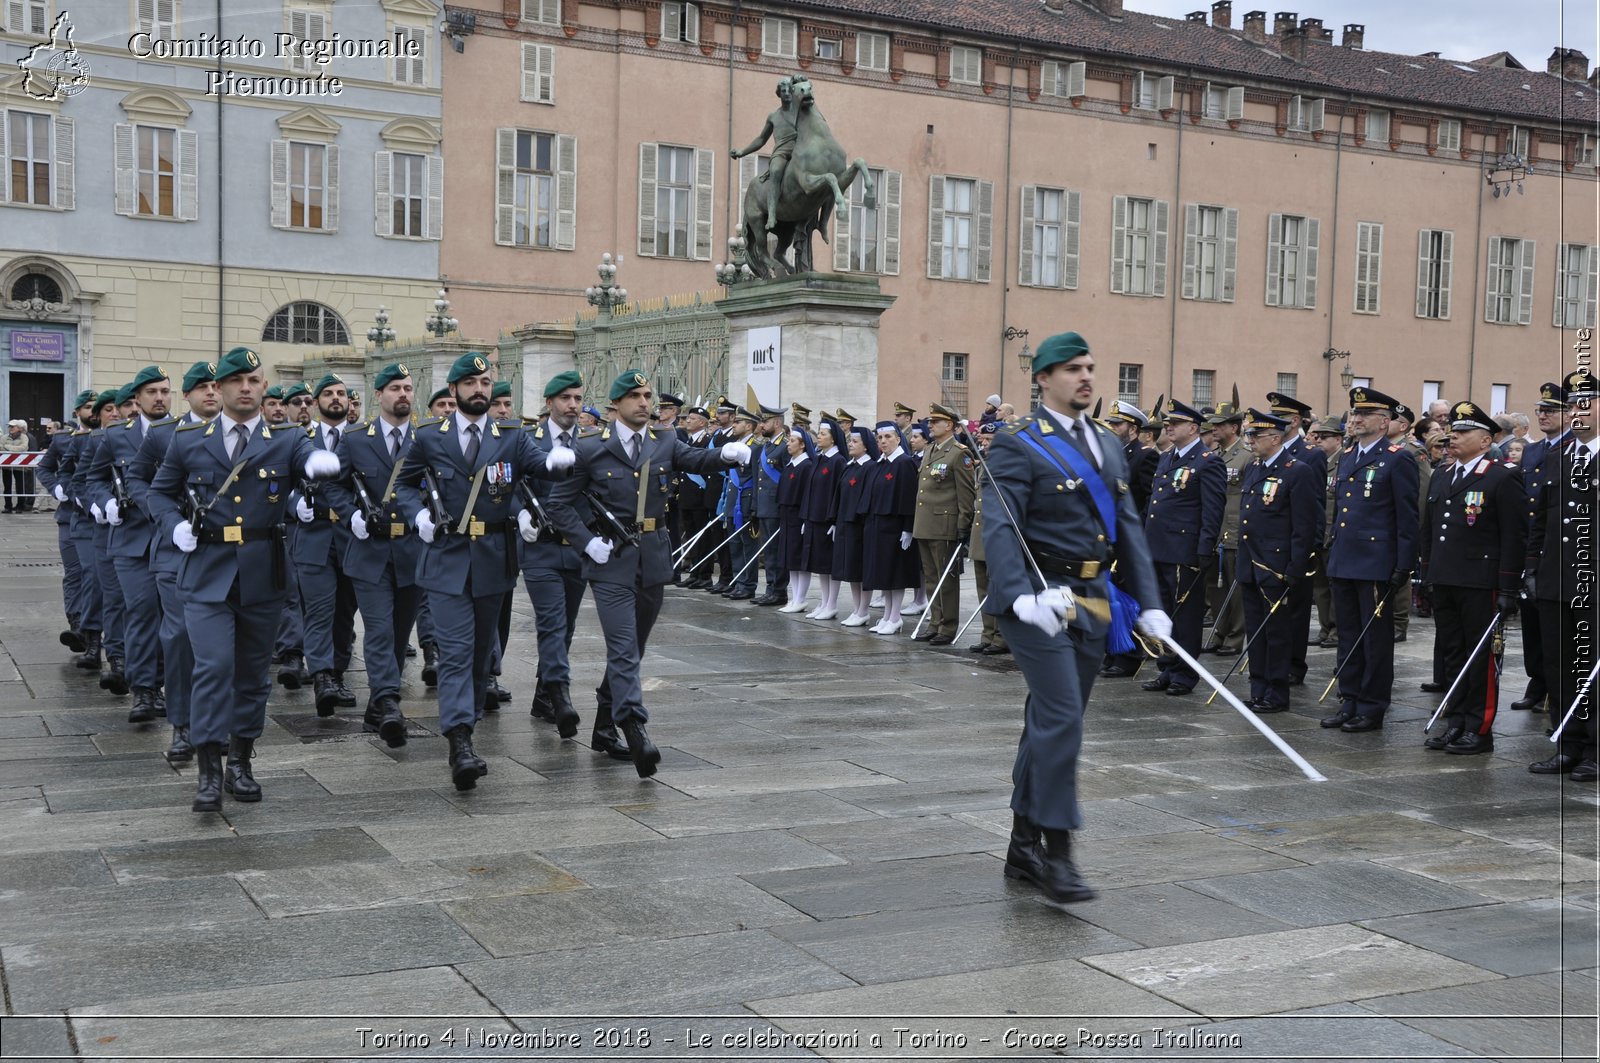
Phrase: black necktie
(472, 445)
(394, 442)
(1081, 443)
(1461, 472)
(333, 439)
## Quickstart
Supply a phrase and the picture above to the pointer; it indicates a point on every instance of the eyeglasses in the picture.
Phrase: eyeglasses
(299, 402)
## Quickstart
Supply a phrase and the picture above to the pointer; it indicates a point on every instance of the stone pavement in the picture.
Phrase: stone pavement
(817, 864)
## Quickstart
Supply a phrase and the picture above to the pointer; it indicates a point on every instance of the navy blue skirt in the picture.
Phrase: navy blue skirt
(884, 566)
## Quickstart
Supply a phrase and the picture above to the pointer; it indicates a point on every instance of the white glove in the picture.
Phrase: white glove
(1155, 624)
(322, 465)
(99, 517)
(113, 512)
(183, 537)
(735, 453)
(905, 540)
(560, 458)
(1045, 610)
(425, 526)
(358, 525)
(60, 493)
(302, 509)
(599, 551)
(525, 527)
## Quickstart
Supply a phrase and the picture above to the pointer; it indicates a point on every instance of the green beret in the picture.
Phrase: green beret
(328, 380)
(103, 399)
(1060, 348)
(84, 397)
(125, 393)
(295, 390)
(562, 381)
(389, 374)
(626, 382)
(275, 392)
(199, 373)
(470, 364)
(150, 374)
(501, 390)
(442, 393)
(238, 360)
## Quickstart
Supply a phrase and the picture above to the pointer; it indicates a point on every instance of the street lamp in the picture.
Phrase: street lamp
(1347, 376)
(381, 335)
(440, 323)
(606, 295)
(737, 269)
(1024, 356)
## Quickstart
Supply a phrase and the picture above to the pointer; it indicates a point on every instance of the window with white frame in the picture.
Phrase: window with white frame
(158, 18)
(1204, 386)
(1130, 381)
(411, 55)
(1048, 249)
(306, 322)
(32, 145)
(534, 213)
(1377, 129)
(547, 12)
(307, 28)
(953, 380)
(1292, 252)
(1152, 92)
(156, 167)
(1288, 384)
(966, 64)
(680, 22)
(1517, 142)
(1435, 248)
(1499, 399)
(1508, 298)
(826, 48)
(536, 189)
(1431, 390)
(305, 186)
(872, 51)
(538, 73)
(1210, 252)
(409, 195)
(1575, 285)
(1306, 115)
(960, 228)
(29, 18)
(867, 239)
(1138, 246)
(1369, 266)
(1224, 102)
(1449, 134)
(955, 262)
(1062, 79)
(778, 37)
(1586, 150)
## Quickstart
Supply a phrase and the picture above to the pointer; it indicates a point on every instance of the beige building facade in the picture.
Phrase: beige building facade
(1211, 202)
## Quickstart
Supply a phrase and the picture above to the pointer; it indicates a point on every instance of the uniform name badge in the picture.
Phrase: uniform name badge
(1366, 490)
(1269, 490)
(1474, 506)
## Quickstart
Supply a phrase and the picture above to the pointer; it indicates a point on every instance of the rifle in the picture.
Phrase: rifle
(441, 519)
(119, 491)
(197, 509)
(369, 509)
(541, 520)
(613, 528)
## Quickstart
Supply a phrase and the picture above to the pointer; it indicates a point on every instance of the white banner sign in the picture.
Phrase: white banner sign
(762, 361)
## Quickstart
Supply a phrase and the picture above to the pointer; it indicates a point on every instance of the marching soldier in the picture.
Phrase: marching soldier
(288, 651)
(108, 410)
(1540, 461)
(1299, 604)
(501, 408)
(723, 433)
(1280, 519)
(381, 554)
(1183, 524)
(990, 643)
(1032, 519)
(440, 404)
(625, 470)
(1472, 550)
(458, 489)
(1374, 551)
(55, 473)
(1227, 634)
(221, 496)
(945, 499)
(327, 596)
(1127, 421)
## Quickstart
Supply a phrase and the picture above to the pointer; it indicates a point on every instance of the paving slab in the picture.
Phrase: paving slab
(1357, 837)
(892, 885)
(898, 838)
(36, 1037)
(43, 915)
(219, 856)
(513, 833)
(36, 830)
(1504, 871)
(1505, 1019)
(1515, 938)
(1169, 914)
(817, 775)
(1319, 1035)
(743, 812)
(705, 856)
(1334, 892)
(177, 791)
(1112, 863)
(390, 884)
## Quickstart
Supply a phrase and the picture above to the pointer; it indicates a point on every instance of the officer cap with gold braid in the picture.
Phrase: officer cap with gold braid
(742, 414)
(626, 381)
(1287, 404)
(1368, 400)
(473, 363)
(561, 382)
(1552, 396)
(901, 407)
(842, 415)
(1264, 422)
(669, 399)
(239, 360)
(1580, 384)
(389, 374)
(1466, 415)
(1181, 411)
(726, 405)
(768, 412)
(936, 412)
(800, 415)
(1225, 414)
(1125, 413)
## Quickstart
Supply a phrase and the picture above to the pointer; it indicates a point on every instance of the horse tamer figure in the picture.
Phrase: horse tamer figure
(804, 184)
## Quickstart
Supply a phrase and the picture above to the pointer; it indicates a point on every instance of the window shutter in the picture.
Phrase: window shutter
(382, 197)
(505, 186)
(280, 184)
(147, 15)
(1296, 105)
(16, 17)
(1491, 287)
(1075, 75)
(985, 248)
(1422, 272)
(1191, 250)
(433, 224)
(1525, 258)
(647, 198)
(1119, 242)
(1235, 103)
(1230, 252)
(705, 188)
(691, 23)
(1363, 259)
(1164, 93)
(566, 191)
(1375, 270)
(671, 22)
(1159, 250)
(1318, 113)
(1274, 257)
(841, 239)
(747, 173)
(1069, 240)
(890, 202)
(330, 195)
(935, 226)
(1590, 268)
(788, 36)
(1313, 239)
(5, 185)
(1446, 240)
(538, 73)
(127, 177)
(1563, 254)
(1025, 238)
(188, 175)
(64, 179)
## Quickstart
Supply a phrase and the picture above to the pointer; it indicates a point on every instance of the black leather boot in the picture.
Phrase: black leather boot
(72, 638)
(89, 659)
(113, 679)
(604, 738)
(372, 717)
(1024, 859)
(158, 698)
(645, 754)
(208, 791)
(466, 767)
(327, 693)
(392, 723)
(542, 708)
(564, 714)
(500, 693)
(347, 697)
(289, 671)
(238, 781)
(1062, 883)
(430, 664)
(144, 706)
(180, 749)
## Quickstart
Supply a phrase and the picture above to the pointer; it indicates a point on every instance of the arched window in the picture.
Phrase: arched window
(306, 323)
(36, 285)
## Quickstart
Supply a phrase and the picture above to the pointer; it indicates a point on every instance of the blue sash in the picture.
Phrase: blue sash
(767, 466)
(735, 487)
(1062, 454)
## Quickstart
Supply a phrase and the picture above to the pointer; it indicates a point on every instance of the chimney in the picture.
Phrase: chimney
(1576, 68)
(1556, 64)
(1312, 28)
(1284, 23)
(1222, 14)
(1196, 16)
(1355, 34)
(1255, 26)
(1293, 43)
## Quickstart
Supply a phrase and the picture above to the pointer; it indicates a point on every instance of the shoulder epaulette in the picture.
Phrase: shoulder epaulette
(192, 425)
(1396, 446)
(589, 432)
(1015, 425)
(430, 423)
(81, 432)
(162, 424)
(127, 425)
(605, 434)
(311, 431)
(1102, 424)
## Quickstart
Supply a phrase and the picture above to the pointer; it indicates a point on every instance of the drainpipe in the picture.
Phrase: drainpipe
(1333, 261)
(735, 193)
(1473, 313)
(1005, 256)
(1176, 290)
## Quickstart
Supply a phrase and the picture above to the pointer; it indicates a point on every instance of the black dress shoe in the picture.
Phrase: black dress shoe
(1338, 719)
(1524, 704)
(606, 740)
(208, 784)
(237, 779)
(1025, 856)
(1115, 671)
(1471, 743)
(739, 596)
(1176, 691)
(289, 672)
(158, 698)
(430, 664)
(1440, 741)
(411, 651)
(1362, 723)
(1062, 883)
(180, 749)
(72, 639)
(940, 640)
(327, 693)
(1224, 651)
(981, 647)
(89, 659)
(1587, 771)
(500, 693)
(720, 587)
(347, 697)
(1261, 708)
(645, 754)
(1160, 682)
(466, 767)
(992, 650)
(563, 712)
(1399, 636)
(144, 706)
(924, 637)
(1559, 764)
(1434, 688)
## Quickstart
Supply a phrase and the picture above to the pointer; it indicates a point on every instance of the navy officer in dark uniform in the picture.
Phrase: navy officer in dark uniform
(1373, 551)
(628, 468)
(1126, 420)
(1057, 490)
(237, 473)
(1302, 596)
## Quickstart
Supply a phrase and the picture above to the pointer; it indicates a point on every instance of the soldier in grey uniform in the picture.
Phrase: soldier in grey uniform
(1227, 630)
(221, 496)
(440, 404)
(289, 651)
(55, 473)
(93, 545)
(943, 522)
(626, 468)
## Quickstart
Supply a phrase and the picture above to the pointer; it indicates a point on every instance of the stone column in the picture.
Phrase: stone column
(547, 349)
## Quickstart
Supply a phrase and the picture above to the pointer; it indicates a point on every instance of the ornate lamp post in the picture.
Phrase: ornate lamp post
(737, 269)
(381, 335)
(440, 323)
(606, 295)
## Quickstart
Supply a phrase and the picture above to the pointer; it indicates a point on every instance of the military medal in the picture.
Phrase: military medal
(1474, 502)
(1180, 478)
(1269, 491)
(1366, 491)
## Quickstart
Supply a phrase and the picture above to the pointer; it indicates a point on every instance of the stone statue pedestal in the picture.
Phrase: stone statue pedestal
(828, 324)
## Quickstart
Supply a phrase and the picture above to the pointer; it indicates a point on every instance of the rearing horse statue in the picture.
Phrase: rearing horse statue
(812, 187)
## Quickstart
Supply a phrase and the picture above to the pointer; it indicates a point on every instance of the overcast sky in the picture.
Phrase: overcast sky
(1460, 29)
